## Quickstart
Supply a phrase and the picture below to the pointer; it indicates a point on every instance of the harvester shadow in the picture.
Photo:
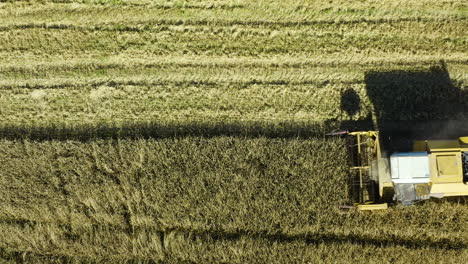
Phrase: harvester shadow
(408, 104)
(412, 104)
(159, 130)
(417, 104)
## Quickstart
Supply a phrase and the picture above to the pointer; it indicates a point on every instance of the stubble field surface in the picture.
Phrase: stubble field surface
(192, 131)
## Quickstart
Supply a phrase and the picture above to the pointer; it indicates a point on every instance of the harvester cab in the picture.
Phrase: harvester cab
(435, 168)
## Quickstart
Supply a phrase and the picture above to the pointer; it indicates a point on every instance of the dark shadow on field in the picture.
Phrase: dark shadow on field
(417, 104)
(412, 104)
(160, 130)
(210, 236)
(26, 256)
(408, 105)
(350, 102)
(461, 200)
(317, 239)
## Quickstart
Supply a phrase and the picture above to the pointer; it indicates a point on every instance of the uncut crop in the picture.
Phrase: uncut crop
(189, 185)
(196, 199)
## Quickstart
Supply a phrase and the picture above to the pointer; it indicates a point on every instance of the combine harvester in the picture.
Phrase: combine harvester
(435, 168)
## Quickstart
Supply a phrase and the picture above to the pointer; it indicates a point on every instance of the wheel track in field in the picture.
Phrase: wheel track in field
(153, 129)
(161, 63)
(148, 25)
(152, 5)
(116, 83)
(384, 240)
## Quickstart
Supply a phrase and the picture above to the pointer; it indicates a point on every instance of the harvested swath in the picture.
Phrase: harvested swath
(275, 96)
(181, 69)
(184, 103)
(242, 11)
(214, 42)
(30, 67)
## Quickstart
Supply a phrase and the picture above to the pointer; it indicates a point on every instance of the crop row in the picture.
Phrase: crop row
(279, 95)
(238, 73)
(52, 42)
(321, 67)
(160, 102)
(241, 10)
(242, 27)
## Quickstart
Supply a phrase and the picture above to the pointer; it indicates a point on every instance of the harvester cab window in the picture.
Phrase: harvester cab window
(465, 166)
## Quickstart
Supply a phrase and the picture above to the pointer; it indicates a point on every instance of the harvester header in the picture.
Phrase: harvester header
(435, 168)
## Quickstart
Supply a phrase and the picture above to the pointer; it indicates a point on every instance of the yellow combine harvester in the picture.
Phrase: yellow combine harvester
(435, 168)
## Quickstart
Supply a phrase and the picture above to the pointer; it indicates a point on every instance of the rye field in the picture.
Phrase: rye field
(193, 131)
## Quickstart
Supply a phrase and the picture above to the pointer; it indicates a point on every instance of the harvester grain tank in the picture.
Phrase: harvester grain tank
(435, 168)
